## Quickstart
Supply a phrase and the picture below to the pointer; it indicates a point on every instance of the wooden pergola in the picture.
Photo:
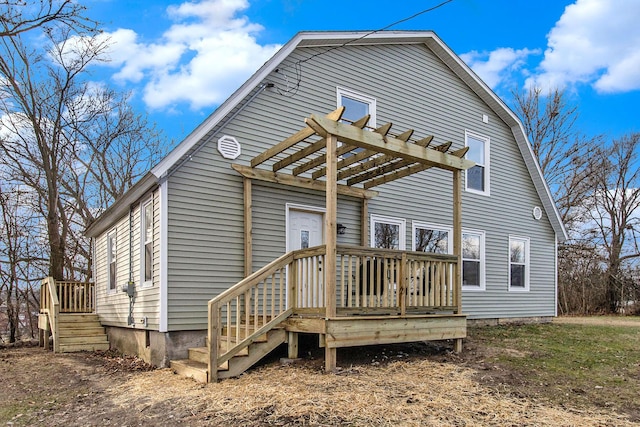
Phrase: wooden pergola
(349, 159)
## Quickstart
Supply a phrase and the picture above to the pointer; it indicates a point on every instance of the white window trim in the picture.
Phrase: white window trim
(340, 92)
(487, 174)
(113, 233)
(483, 283)
(431, 226)
(527, 263)
(142, 260)
(401, 222)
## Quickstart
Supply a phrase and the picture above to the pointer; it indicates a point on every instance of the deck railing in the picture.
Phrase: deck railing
(50, 310)
(385, 280)
(367, 281)
(62, 297)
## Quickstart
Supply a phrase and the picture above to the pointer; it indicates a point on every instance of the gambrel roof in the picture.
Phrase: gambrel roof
(335, 39)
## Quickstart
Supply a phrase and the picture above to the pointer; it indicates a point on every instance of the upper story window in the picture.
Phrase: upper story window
(387, 232)
(112, 260)
(478, 176)
(146, 240)
(356, 106)
(518, 263)
(473, 260)
(431, 238)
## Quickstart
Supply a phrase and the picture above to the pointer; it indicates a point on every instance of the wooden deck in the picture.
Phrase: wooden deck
(382, 296)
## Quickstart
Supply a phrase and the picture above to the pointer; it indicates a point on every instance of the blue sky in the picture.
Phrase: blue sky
(182, 59)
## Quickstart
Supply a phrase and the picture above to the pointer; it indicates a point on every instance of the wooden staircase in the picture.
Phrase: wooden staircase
(81, 332)
(196, 365)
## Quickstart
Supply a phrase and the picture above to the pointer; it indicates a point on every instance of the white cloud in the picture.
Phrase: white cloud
(498, 66)
(201, 59)
(594, 42)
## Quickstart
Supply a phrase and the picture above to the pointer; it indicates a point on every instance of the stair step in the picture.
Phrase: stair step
(257, 350)
(225, 346)
(70, 348)
(85, 331)
(190, 369)
(84, 339)
(78, 318)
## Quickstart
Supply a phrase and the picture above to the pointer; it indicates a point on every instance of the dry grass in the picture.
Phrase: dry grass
(402, 393)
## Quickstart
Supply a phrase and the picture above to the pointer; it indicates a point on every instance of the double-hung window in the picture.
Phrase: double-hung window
(146, 240)
(431, 238)
(356, 106)
(473, 260)
(387, 232)
(518, 263)
(477, 178)
(112, 260)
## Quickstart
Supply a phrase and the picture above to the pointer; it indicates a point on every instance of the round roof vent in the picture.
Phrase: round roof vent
(229, 147)
(537, 213)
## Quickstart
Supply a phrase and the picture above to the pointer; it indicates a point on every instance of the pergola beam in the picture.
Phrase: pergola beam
(297, 137)
(387, 145)
(384, 179)
(382, 163)
(322, 159)
(295, 181)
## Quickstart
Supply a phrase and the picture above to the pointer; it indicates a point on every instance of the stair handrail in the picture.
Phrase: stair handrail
(241, 288)
(50, 305)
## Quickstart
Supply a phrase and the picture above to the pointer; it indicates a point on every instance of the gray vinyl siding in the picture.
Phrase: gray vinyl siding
(113, 306)
(413, 89)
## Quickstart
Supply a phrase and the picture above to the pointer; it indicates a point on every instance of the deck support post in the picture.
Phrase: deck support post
(293, 345)
(457, 345)
(330, 266)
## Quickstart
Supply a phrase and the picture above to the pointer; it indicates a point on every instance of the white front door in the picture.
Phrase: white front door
(305, 230)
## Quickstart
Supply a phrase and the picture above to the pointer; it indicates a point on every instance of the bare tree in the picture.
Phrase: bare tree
(549, 122)
(75, 143)
(613, 209)
(20, 258)
(20, 16)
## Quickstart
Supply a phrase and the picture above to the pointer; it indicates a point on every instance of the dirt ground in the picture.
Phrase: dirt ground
(408, 385)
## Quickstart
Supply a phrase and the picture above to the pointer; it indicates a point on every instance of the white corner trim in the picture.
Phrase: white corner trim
(164, 256)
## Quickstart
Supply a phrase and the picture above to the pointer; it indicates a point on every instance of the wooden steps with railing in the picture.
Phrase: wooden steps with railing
(81, 332)
(196, 366)
(67, 314)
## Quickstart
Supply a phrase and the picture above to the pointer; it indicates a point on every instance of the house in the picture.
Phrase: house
(312, 192)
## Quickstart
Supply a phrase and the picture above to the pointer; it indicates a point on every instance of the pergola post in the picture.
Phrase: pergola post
(457, 247)
(248, 228)
(330, 242)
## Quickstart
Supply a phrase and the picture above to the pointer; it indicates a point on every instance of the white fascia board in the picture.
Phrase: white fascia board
(463, 71)
(540, 184)
(223, 110)
(329, 38)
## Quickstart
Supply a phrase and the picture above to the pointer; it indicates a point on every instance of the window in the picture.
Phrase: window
(146, 239)
(478, 176)
(473, 260)
(356, 106)
(388, 233)
(112, 251)
(518, 263)
(432, 238)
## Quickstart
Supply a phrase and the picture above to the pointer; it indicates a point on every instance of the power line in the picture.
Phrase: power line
(291, 91)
